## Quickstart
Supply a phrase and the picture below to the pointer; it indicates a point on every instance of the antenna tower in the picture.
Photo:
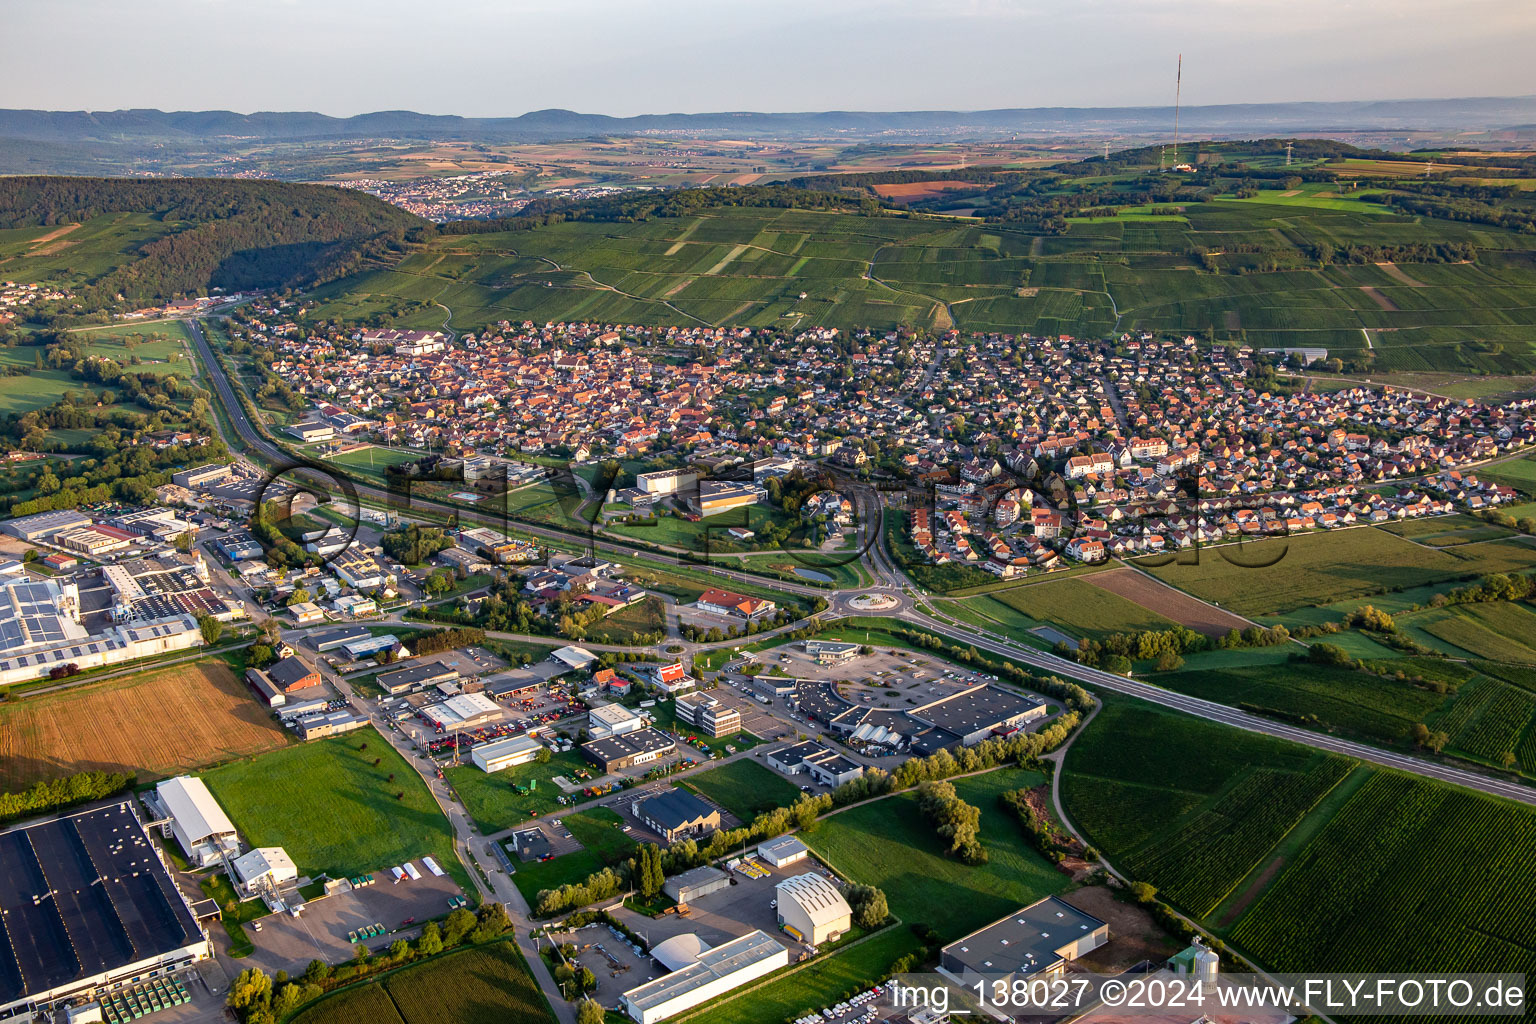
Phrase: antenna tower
(1178, 89)
(1288, 154)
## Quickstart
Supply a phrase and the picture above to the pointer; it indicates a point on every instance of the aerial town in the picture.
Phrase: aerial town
(501, 521)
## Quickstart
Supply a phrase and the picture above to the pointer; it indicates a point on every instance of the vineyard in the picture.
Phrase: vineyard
(1203, 859)
(1410, 875)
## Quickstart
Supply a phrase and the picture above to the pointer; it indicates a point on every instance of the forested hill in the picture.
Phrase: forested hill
(216, 232)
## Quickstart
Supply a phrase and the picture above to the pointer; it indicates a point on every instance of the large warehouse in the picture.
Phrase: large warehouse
(618, 752)
(812, 909)
(715, 972)
(505, 753)
(1039, 939)
(197, 821)
(86, 904)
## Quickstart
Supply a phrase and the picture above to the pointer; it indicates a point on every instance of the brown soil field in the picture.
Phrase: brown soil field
(920, 189)
(1381, 300)
(1400, 274)
(1168, 602)
(156, 723)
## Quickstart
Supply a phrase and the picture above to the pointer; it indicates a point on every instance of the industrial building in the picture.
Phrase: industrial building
(202, 476)
(505, 753)
(812, 909)
(466, 711)
(676, 814)
(666, 481)
(708, 714)
(606, 720)
(696, 883)
(200, 826)
(821, 763)
(265, 869)
(87, 905)
(970, 716)
(286, 675)
(42, 525)
(715, 972)
(239, 546)
(618, 752)
(783, 851)
(1039, 939)
(576, 658)
(319, 726)
(416, 677)
(333, 639)
(717, 496)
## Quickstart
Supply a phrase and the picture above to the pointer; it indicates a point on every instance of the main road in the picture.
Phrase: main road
(889, 579)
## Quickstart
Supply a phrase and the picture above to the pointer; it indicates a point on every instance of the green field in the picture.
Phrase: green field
(603, 843)
(333, 810)
(647, 616)
(888, 843)
(494, 805)
(1371, 871)
(488, 984)
(1324, 568)
(745, 788)
(1080, 608)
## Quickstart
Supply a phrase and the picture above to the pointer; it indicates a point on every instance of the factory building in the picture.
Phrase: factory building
(88, 906)
(605, 720)
(264, 869)
(42, 525)
(199, 824)
(416, 677)
(715, 972)
(812, 909)
(675, 814)
(696, 883)
(1039, 939)
(202, 476)
(619, 752)
(666, 481)
(505, 753)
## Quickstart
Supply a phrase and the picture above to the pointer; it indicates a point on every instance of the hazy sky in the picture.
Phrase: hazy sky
(502, 57)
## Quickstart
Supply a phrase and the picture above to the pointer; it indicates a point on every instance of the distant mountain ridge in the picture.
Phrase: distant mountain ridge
(120, 126)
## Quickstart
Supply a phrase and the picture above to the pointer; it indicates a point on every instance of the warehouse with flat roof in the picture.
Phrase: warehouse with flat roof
(85, 904)
(632, 748)
(1038, 939)
(715, 972)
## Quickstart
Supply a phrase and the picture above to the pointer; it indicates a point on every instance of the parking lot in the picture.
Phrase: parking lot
(289, 943)
(729, 913)
(611, 958)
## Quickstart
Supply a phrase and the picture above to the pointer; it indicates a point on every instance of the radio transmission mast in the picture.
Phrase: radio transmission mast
(1178, 89)
(1288, 153)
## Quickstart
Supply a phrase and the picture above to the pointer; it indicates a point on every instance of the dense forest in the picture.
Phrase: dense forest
(220, 233)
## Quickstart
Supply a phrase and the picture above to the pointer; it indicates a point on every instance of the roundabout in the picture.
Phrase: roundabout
(874, 602)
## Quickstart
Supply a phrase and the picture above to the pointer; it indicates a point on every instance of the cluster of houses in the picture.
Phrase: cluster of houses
(13, 296)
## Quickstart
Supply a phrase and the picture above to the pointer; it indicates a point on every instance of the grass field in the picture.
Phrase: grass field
(159, 347)
(647, 616)
(333, 809)
(494, 805)
(603, 843)
(888, 843)
(488, 984)
(745, 788)
(1082, 609)
(120, 725)
(1323, 568)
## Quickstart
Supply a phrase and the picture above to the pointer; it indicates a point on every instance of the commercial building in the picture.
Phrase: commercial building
(717, 496)
(970, 716)
(239, 546)
(94, 541)
(812, 909)
(264, 869)
(333, 639)
(616, 753)
(672, 678)
(1039, 939)
(676, 814)
(291, 674)
(574, 657)
(42, 525)
(505, 753)
(724, 602)
(715, 972)
(821, 763)
(783, 851)
(831, 652)
(200, 826)
(202, 476)
(416, 677)
(666, 481)
(708, 714)
(465, 711)
(319, 726)
(696, 883)
(606, 720)
(87, 905)
(312, 431)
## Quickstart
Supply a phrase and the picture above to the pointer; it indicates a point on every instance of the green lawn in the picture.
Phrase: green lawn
(890, 844)
(604, 843)
(333, 810)
(494, 804)
(745, 788)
